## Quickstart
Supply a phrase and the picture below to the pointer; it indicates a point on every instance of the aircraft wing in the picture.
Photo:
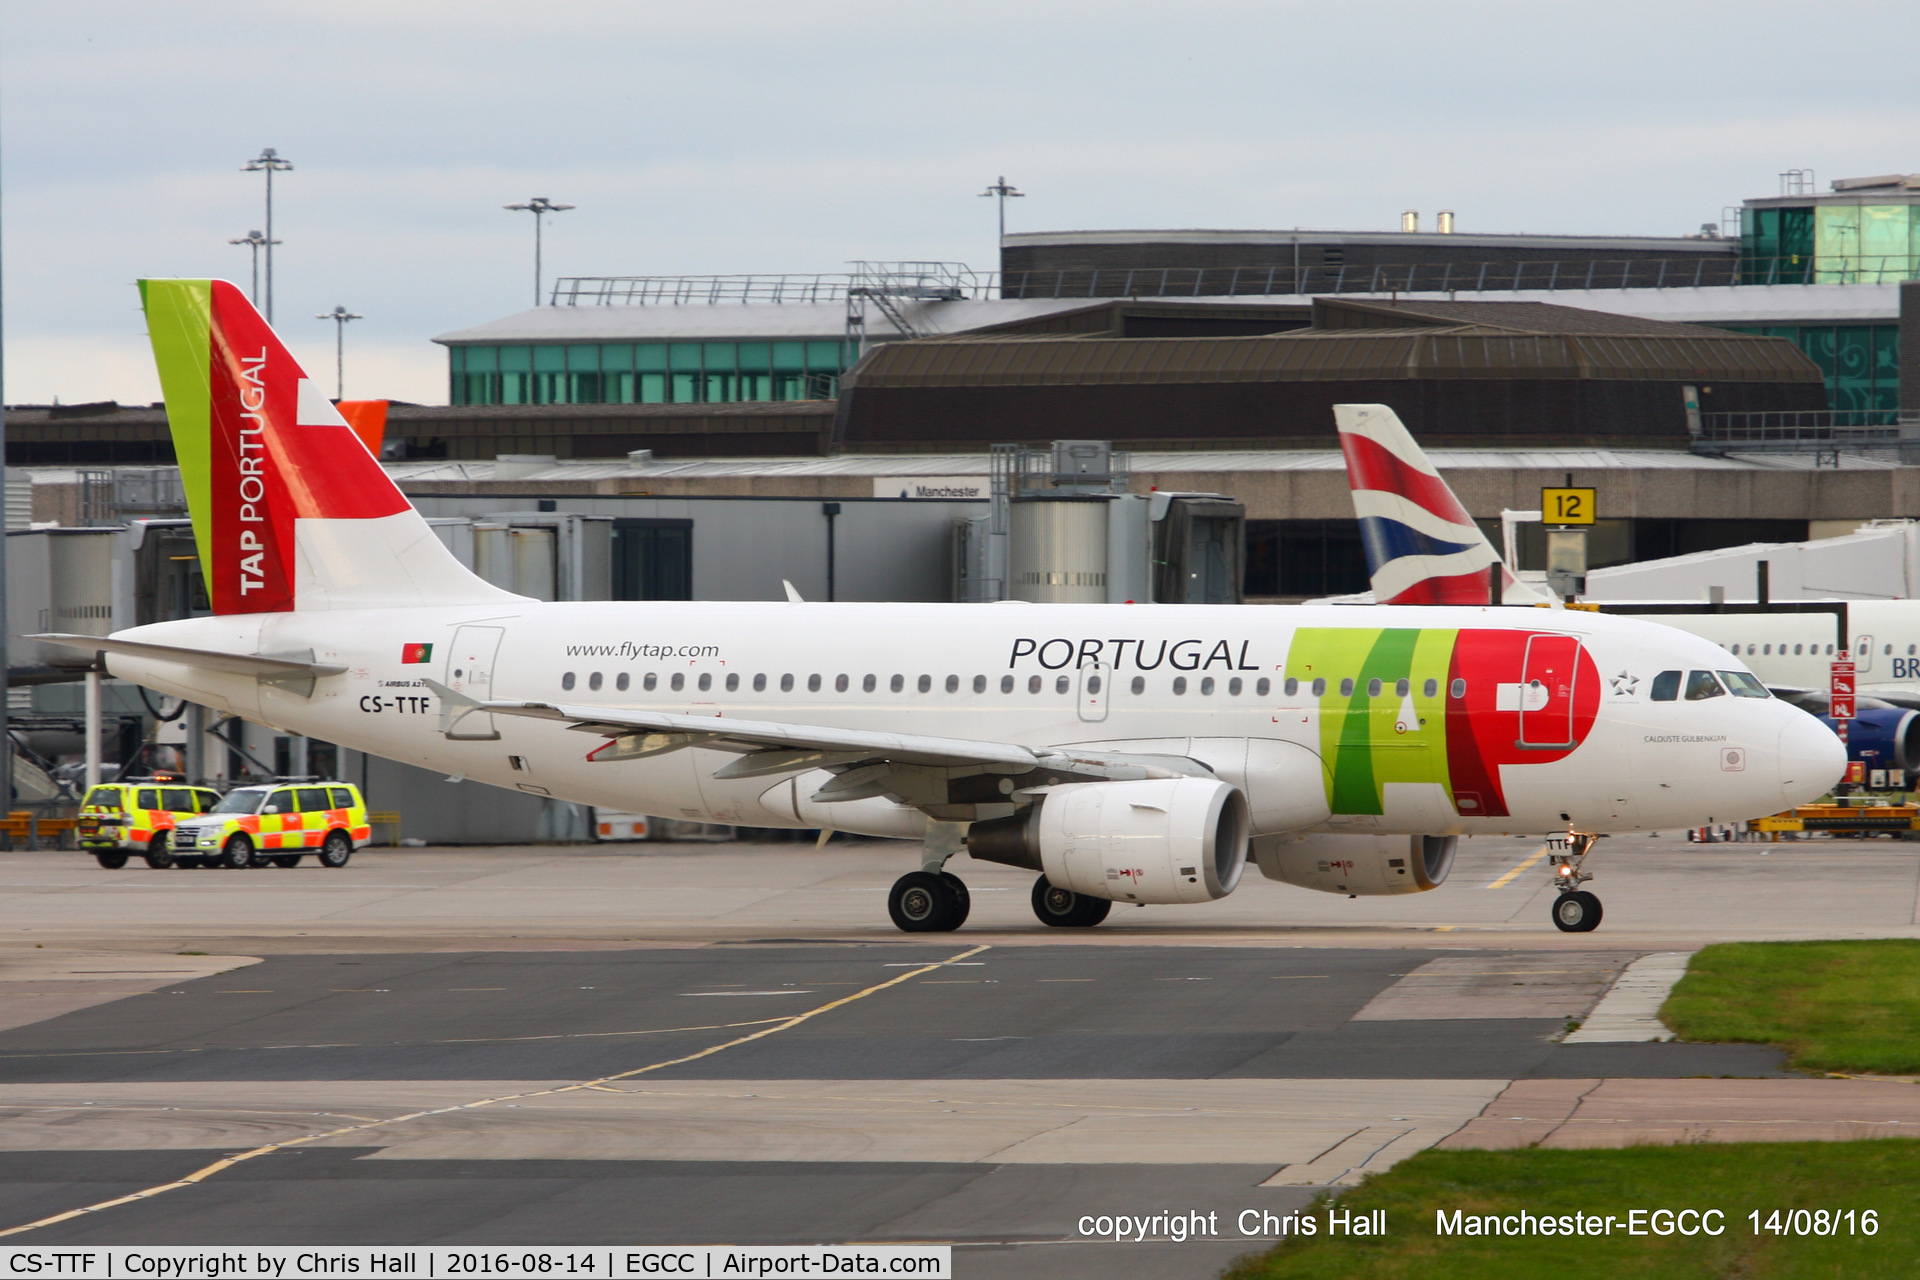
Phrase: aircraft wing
(769, 746)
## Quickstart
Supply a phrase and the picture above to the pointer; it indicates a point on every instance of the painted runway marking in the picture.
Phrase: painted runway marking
(1526, 862)
(218, 1166)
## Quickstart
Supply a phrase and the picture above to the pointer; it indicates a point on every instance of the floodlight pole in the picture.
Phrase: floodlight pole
(253, 240)
(1003, 191)
(339, 315)
(539, 207)
(269, 162)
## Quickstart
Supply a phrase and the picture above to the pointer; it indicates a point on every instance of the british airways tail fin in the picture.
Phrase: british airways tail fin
(1422, 546)
(289, 508)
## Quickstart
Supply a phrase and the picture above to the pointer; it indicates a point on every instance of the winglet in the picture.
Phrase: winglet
(1422, 546)
(793, 596)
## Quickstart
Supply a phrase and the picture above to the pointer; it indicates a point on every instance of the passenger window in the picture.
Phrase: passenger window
(1033, 684)
(813, 684)
(1006, 684)
(593, 682)
(1666, 687)
(1373, 688)
(1797, 650)
(678, 682)
(146, 798)
(1765, 649)
(1459, 688)
(979, 684)
(706, 681)
(760, 682)
(1320, 687)
(1233, 687)
(1346, 688)
(1887, 651)
(840, 684)
(1093, 684)
(868, 683)
(1179, 684)
(342, 797)
(953, 683)
(1291, 687)
(925, 684)
(650, 682)
(177, 801)
(621, 681)
(1139, 685)
(1206, 687)
(1701, 685)
(566, 680)
(1401, 688)
(1743, 685)
(279, 802)
(1062, 684)
(1261, 688)
(900, 682)
(314, 800)
(1431, 689)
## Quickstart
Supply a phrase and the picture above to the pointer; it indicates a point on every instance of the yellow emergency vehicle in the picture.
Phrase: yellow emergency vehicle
(277, 825)
(119, 820)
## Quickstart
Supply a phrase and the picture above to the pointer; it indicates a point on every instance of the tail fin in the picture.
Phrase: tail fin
(1422, 546)
(289, 509)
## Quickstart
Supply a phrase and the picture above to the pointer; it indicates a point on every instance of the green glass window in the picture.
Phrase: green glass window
(457, 360)
(718, 385)
(1886, 367)
(823, 357)
(755, 378)
(683, 355)
(653, 388)
(650, 357)
(616, 357)
(482, 359)
(516, 359)
(583, 358)
(549, 359)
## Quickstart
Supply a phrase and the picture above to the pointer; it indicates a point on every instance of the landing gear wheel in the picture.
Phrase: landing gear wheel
(336, 849)
(159, 856)
(285, 859)
(111, 859)
(962, 900)
(1065, 909)
(1577, 912)
(923, 902)
(237, 853)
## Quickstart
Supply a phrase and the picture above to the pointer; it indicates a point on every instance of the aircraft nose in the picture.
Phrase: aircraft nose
(1812, 759)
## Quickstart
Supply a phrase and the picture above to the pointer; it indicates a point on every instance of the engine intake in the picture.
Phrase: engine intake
(1357, 865)
(1162, 840)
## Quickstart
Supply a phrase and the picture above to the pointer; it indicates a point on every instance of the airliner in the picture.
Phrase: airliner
(1130, 754)
(1423, 548)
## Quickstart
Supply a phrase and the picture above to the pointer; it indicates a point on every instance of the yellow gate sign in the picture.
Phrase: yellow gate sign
(1567, 506)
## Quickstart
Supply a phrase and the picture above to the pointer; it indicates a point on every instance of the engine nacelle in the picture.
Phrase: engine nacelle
(1160, 840)
(1357, 865)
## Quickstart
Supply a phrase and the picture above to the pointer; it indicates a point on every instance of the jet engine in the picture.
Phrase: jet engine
(1160, 840)
(1356, 865)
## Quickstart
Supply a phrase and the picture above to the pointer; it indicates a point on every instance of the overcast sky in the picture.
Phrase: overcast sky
(743, 135)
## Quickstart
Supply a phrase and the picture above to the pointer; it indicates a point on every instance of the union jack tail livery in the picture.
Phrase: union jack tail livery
(1422, 546)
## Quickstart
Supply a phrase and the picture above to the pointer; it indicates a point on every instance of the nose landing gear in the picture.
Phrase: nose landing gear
(1574, 909)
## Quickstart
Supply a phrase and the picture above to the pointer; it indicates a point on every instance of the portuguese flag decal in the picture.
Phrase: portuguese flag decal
(416, 653)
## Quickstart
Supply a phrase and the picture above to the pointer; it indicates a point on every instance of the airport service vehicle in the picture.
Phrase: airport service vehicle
(122, 820)
(278, 825)
(1124, 753)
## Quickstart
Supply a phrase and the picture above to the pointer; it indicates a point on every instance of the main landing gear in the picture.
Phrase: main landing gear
(1574, 909)
(929, 902)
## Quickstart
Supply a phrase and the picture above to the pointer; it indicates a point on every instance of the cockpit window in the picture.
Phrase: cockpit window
(1701, 685)
(1666, 686)
(1742, 684)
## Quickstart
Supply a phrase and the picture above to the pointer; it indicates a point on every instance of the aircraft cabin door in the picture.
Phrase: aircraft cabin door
(1551, 666)
(1096, 685)
(469, 670)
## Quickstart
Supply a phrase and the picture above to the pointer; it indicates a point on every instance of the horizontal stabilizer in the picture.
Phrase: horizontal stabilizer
(291, 671)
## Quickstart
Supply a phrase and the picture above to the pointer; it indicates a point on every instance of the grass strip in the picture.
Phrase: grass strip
(1736, 1178)
(1835, 1006)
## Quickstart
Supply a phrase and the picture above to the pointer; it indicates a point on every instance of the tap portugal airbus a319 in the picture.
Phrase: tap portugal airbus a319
(1132, 754)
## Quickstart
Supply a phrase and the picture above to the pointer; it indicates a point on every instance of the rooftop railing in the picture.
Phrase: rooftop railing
(1804, 431)
(954, 282)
